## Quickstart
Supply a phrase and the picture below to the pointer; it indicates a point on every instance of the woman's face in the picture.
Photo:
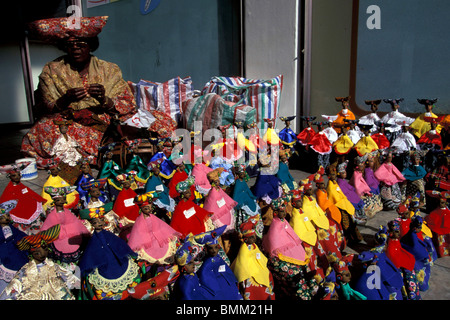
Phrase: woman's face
(126, 184)
(85, 168)
(370, 163)
(250, 239)
(95, 192)
(78, 51)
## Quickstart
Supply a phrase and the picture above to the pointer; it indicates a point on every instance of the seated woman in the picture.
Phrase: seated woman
(77, 86)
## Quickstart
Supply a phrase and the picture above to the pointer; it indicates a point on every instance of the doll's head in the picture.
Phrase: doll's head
(54, 170)
(279, 208)
(95, 192)
(394, 229)
(59, 202)
(15, 176)
(98, 223)
(85, 168)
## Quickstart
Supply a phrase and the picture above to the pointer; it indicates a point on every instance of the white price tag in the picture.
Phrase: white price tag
(189, 213)
(24, 190)
(128, 202)
(222, 268)
(160, 188)
(221, 202)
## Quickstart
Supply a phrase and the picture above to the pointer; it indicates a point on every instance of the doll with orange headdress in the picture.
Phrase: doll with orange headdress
(345, 113)
(250, 266)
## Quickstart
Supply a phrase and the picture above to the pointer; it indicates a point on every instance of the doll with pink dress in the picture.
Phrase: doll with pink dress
(390, 179)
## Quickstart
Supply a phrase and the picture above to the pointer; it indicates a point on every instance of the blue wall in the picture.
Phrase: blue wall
(197, 38)
(408, 57)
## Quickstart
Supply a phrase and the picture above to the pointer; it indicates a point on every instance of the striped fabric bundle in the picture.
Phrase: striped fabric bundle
(263, 95)
(207, 108)
(167, 97)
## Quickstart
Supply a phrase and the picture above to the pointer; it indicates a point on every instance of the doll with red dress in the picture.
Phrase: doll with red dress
(124, 207)
(379, 136)
(321, 147)
(439, 222)
(188, 216)
(403, 260)
(28, 215)
(303, 145)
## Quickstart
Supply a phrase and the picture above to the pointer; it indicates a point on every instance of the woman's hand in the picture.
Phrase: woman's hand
(97, 91)
(75, 94)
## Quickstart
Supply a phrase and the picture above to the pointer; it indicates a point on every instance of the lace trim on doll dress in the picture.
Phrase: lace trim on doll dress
(115, 285)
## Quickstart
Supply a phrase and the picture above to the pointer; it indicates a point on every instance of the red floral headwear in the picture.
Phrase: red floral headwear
(63, 28)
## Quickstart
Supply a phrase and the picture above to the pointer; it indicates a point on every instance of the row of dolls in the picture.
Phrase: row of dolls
(344, 137)
(275, 239)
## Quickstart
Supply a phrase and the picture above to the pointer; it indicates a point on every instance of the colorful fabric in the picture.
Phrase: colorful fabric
(189, 217)
(263, 95)
(153, 239)
(28, 215)
(63, 28)
(250, 269)
(222, 206)
(282, 242)
(35, 241)
(167, 97)
(62, 188)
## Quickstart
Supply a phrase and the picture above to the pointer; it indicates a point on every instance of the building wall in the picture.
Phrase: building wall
(271, 32)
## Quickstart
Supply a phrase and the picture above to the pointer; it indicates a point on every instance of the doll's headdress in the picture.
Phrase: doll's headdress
(98, 212)
(210, 237)
(33, 242)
